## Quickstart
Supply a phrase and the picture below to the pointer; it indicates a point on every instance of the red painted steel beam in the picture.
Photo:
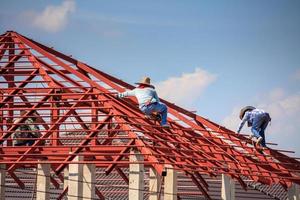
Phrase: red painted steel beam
(14, 92)
(224, 130)
(117, 158)
(99, 194)
(1, 118)
(202, 180)
(270, 168)
(108, 141)
(200, 151)
(181, 150)
(9, 64)
(84, 142)
(15, 126)
(292, 163)
(133, 111)
(61, 196)
(231, 165)
(48, 133)
(97, 73)
(17, 180)
(195, 181)
(57, 61)
(2, 51)
(25, 100)
(63, 149)
(3, 38)
(61, 74)
(54, 182)
(121, 173)
(36, 64)
(129, 86)
(159, 168)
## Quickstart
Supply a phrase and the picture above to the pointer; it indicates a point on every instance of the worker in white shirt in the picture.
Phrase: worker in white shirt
(148, 99)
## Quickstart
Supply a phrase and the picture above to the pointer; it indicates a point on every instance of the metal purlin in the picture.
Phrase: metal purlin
(206, 141)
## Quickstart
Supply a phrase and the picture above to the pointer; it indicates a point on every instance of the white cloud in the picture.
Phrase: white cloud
(52, 18)
(276, 94)
(187, 88)
(285, 113)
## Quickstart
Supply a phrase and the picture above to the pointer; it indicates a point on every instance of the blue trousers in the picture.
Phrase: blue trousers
(259, 126)
(156, 107)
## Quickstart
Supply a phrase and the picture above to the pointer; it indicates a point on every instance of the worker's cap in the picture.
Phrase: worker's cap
(245, 109)
(144, 81)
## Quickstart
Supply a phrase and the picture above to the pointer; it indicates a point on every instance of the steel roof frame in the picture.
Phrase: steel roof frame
(67, 87)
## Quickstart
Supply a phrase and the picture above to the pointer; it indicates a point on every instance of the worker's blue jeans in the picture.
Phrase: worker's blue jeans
(156, 107)
(259, 126)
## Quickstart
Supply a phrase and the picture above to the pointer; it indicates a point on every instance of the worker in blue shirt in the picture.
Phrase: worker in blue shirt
(148, 100)
(258, 120)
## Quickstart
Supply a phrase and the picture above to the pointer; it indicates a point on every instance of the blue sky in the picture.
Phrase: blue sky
(210, 56)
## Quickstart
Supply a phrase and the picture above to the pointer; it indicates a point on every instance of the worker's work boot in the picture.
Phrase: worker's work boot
(154, 116)
(258, 142)
(158, 117)
(166, 126)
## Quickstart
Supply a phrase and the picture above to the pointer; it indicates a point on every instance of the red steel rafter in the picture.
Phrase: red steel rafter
(103, 129)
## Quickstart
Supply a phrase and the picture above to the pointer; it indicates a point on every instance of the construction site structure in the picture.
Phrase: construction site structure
(95, 146)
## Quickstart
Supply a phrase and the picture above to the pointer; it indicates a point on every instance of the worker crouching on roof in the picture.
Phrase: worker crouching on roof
(148, 100)
(258, 120)
(27, 129)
